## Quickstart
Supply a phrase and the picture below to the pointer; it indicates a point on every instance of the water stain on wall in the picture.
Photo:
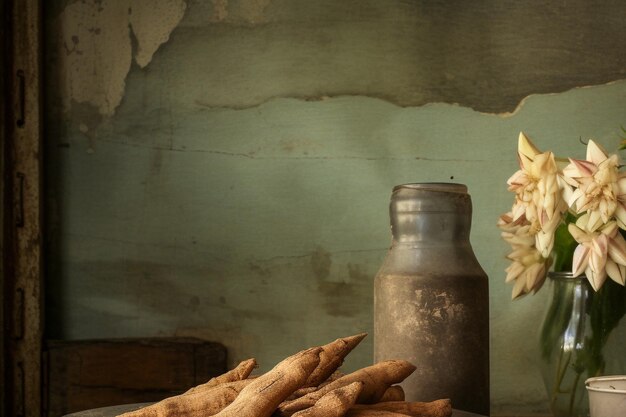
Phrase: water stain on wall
(341, 293)
(236, 340)
(146, 285)
(347, 298)
(321, 263)
(259, 269)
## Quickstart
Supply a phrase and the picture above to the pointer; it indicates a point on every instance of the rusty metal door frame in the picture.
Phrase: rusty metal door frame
(4, 48)
(21, 218)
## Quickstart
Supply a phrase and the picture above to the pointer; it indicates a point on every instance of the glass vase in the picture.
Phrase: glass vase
(582, 336)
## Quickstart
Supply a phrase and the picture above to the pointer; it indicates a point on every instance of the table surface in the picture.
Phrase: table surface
(119, 409)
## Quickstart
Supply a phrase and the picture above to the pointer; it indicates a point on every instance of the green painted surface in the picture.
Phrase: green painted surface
(263, 227)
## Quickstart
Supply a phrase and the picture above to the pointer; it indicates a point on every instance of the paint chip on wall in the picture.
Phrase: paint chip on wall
(152, 21)
(95, 36)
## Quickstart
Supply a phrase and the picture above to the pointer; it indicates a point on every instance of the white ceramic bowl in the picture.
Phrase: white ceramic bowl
(607, 396)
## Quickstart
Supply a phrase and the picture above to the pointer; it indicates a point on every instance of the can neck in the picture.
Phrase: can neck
(430, 212)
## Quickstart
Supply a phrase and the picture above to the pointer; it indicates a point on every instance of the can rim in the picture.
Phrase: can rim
(447, 187)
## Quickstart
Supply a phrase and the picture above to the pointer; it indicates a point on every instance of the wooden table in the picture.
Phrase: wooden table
(119, 409)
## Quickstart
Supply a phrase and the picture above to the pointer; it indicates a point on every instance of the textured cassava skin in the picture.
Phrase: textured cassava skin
(373, 413)
(240, 372)
(331, 358)
(197, 404)
(393, 393)
(335, 403)
(438, 408)
(263, 395)
(376, 380)
(333, 377)
(300, 392)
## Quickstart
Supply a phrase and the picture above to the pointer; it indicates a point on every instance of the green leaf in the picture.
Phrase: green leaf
(564, 245)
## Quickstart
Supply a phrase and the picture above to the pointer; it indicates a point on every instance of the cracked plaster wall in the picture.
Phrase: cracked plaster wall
(222, 168)
(93, 39)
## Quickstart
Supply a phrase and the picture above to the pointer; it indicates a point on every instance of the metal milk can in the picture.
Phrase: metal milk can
(431, 304)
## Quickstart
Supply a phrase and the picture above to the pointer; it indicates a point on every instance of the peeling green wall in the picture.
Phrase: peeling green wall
(235, 185)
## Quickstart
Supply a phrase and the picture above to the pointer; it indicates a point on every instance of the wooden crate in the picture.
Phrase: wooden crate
(86, 374)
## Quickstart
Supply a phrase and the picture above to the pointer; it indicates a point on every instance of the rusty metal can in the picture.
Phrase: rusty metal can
(431, 297)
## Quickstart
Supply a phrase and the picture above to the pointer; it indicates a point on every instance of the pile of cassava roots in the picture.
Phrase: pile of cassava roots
(306, 384)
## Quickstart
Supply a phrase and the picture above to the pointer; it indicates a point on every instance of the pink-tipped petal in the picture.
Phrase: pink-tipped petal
(580, 260)
(574, 197)
(598, 257)
(616, 272)
(599, 249)
(596, 278)
(513, 271)
(595, 153)
(585, 168)
(617, 249)
(518, 178)
(570, 173)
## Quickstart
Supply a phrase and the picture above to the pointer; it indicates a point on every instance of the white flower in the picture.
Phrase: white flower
(515, 232)
(599, 253)
(599, 188)
(528, 267)
(538, 193)
(528, 270)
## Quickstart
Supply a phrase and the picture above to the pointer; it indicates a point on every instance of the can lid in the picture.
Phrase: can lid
(434, 197)
(445, 187)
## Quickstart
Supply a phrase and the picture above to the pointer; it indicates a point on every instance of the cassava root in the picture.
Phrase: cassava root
(240, 372)
(331, 358)
(335, 403)
(263, 395)
(393, 393)
(306, 384)
(197, 404)
(438, 408)
(376, 380)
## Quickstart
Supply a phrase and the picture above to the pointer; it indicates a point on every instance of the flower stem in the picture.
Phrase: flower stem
(573, 396)
(560, 374)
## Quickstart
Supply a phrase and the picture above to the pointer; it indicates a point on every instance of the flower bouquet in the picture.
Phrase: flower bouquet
(569, 216)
